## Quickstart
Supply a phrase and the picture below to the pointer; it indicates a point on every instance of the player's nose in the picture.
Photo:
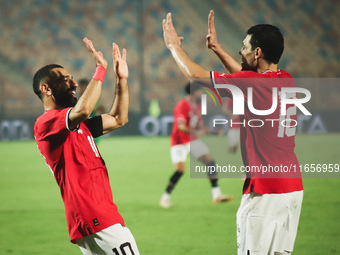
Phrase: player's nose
(74, 83)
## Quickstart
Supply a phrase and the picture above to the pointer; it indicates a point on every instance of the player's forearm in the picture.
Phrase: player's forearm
(86, 103)
(184, 129)
(120, 107)
(188, 67)
(229, 63)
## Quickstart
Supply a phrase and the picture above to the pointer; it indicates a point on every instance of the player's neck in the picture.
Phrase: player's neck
(265, 66)
(50, 104)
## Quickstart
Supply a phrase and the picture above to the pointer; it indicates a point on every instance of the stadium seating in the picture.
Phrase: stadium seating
(40, 32)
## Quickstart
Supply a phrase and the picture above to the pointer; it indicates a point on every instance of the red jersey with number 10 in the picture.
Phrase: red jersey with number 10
(80, 172)
(267, 141)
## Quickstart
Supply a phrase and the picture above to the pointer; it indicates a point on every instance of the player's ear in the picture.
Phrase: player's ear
(45, 89)
(258, 53)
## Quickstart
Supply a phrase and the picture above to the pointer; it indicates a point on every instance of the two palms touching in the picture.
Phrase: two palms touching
(172, 39)
(120, 66)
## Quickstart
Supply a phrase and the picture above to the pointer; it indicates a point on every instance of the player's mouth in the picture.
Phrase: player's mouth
(72, 92)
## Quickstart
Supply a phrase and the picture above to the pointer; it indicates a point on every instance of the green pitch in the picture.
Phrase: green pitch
(32, 216)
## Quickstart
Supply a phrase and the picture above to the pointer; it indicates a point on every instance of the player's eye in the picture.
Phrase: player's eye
(67, 78)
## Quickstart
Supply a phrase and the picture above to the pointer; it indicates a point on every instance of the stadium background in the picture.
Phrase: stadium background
(37, 32)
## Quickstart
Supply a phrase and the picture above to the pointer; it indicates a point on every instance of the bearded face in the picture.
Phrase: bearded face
(64, 96)
(63, 88)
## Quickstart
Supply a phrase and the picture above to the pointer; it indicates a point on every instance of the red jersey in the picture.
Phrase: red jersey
(190, 115)
(235, 119)
(272, 144)
(80, 172)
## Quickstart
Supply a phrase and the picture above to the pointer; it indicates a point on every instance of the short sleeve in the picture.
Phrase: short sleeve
(51, 123)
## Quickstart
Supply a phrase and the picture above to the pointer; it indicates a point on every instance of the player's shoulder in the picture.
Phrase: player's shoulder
(240, 74)
(284, 74)
(181, 107)
(278, 74)
(183, 103)
(246, 74)
(48, 115)
(267, 74)
(251, 74)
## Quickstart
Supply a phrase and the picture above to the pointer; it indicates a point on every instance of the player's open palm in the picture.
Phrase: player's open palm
(171, 38)
(97, 55)
(119, 62)
(212, 36)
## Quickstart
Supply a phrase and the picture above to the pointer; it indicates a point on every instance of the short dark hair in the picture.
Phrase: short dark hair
(270, 39)
(41, 75)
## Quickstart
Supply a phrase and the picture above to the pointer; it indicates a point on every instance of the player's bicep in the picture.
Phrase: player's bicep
(109, 123)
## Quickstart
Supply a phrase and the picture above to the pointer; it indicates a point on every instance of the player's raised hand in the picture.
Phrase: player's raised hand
(171, 38)
(97, 55)
(212, 36)
(119, 62)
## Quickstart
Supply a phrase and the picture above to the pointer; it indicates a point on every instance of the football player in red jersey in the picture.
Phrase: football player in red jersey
(269, 212)
(64, 134)
(187, 128)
